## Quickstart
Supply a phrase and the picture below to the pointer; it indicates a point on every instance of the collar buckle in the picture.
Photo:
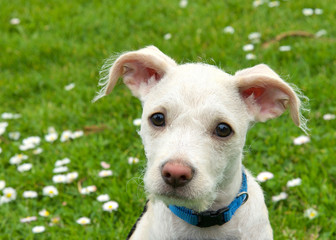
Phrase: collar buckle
(211, 218)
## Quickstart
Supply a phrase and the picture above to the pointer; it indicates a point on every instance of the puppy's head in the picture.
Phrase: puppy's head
(195, 118)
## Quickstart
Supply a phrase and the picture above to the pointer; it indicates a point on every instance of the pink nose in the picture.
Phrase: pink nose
(176, 174)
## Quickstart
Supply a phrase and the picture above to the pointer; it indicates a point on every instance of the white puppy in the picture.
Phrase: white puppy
(194, 124)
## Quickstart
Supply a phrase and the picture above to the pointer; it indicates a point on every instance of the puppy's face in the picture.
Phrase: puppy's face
(194, 116)
(195, 119)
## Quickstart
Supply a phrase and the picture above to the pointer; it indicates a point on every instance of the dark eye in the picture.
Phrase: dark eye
(223, 130)
(158, 119)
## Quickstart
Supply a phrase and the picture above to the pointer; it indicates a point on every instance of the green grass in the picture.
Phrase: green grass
(60, 42)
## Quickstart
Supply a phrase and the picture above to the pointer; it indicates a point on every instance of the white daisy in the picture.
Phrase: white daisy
(15, 21)
(248, 47)
(70, 177)
(84, 191)
(137, 122)
(229, 30)
(281, 196)
(9, 194)
(29, 194)
(264, 176)
(167, 36)
(54, 221)
(62, 162)
(2, 184)
(69, 86)
(88, 190)
(66, 136)
(50, 191)
(10, 115)
(25, 147)
(133, 160)
(3, 126)
(183, 3)
(38, 229)
(311, 213)
(301, 140)
(35, 140)
(2, 130)
(320, 33)
(92, 188)
(318, 11)
(83, 221)
(307, 11)
(60, 178)
(254, 37)
(250, 56)
(105, 165)
(103, 198)
(285, 48)
(60, 169)
(37, 151)
(28, 219)
(257, 3)
(14, 135)
(294, 182)
(328, 116)
(77, 134)
(274, 4)
(44, 213)
(3, 200)
(52, 130)
(17, 159)
(51, 137)
(110, 206)
(30, 143)
(24, 167)
(105, 173)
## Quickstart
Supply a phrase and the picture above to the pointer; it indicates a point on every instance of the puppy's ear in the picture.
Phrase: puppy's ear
(140, 70)
(267, 96)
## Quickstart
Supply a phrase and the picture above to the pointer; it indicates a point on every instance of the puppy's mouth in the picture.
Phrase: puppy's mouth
(183, 197)
(175, 193)
(174, 198)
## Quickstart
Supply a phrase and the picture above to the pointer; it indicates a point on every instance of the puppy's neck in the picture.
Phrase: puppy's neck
(228, 189)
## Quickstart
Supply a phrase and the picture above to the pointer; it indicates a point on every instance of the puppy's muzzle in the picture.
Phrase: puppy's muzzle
(177, 174)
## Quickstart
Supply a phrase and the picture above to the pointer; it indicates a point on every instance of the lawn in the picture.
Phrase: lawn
(48, 47)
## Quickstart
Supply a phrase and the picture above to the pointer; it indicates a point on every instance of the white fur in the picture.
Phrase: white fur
(195, 98)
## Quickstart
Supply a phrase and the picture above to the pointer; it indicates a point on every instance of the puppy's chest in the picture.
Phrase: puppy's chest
(167, 226)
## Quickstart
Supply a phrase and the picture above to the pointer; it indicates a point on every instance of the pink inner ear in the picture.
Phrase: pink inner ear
(151, 72)
(135, 74)
(256, 91)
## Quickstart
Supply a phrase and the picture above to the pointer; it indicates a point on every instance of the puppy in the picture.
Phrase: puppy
(194, 124)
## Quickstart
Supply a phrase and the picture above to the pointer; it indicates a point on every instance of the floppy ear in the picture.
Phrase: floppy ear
(141, 70)
(267, 96)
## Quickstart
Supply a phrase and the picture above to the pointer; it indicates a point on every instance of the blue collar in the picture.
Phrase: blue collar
(212, 218)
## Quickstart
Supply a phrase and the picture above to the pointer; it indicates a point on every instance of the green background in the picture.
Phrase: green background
(62, 42)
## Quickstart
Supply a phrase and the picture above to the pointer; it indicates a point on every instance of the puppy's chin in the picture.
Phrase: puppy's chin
(197, 204)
